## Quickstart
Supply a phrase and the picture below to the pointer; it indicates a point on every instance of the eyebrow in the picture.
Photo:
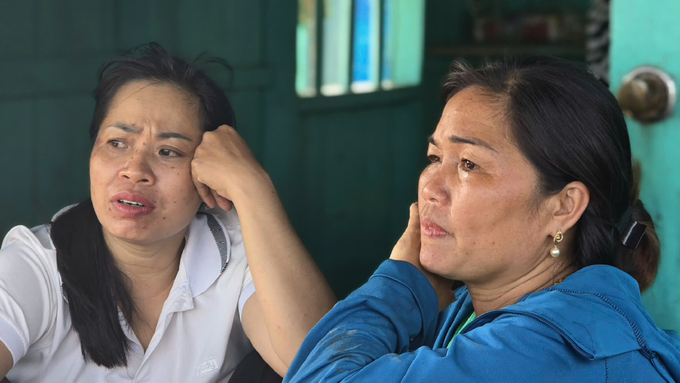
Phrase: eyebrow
(162, 135)
(463, 140)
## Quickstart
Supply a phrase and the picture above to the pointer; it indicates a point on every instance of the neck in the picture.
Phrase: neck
(505, 290)
(150, 268)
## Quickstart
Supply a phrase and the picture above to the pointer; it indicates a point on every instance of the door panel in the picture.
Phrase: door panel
(50, 55)
(61, 180)
(16, 30)
(15, 161)
(645, 33)
(346, 170)
(361, 176)
(69, 27)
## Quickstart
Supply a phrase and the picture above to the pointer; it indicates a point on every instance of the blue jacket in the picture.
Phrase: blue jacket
(590, 328)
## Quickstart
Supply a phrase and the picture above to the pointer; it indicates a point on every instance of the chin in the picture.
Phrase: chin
(127, 232)
(435, 261)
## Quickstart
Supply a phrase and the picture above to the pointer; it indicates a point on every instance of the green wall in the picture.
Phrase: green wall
(50, 52)
(346, 167)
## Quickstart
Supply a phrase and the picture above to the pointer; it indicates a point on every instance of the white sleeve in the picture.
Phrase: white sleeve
(247, 290)
(27, 294)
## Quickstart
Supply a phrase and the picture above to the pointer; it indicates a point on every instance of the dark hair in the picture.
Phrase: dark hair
(91, 282)
(571, 128)
(153, 63)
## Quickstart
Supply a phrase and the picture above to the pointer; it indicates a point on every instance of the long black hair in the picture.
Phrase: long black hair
(91, 282)
(571, 128)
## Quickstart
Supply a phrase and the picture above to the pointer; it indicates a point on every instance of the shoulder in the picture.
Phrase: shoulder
(30, 288)
(36, 238)
(598, 310)
(35, 242)
(28, 262)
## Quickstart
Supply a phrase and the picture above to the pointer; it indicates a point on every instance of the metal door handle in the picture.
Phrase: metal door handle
(647, 94)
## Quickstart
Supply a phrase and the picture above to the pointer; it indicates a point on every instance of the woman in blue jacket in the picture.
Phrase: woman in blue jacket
(530, 202)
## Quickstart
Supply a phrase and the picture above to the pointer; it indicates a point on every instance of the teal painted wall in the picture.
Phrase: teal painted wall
(644, 34)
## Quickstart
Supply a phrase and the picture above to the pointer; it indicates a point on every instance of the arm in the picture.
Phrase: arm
(6, 361)
(369, 337)
(255, 327)
(395, 311)
(292, 294)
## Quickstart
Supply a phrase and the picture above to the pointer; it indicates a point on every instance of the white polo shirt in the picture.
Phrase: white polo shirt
(199, 337)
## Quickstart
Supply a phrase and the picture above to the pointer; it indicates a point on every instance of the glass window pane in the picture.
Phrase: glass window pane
(404, 29)
(336, 31)
(305, 77)
(366, 41)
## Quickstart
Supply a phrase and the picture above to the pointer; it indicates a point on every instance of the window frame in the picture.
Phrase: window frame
(401, 92)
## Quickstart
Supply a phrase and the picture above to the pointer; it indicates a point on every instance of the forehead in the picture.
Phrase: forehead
(475, 113)
(161, 106)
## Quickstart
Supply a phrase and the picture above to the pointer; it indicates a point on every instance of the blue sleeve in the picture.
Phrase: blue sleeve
(395, 311)
(382, 331)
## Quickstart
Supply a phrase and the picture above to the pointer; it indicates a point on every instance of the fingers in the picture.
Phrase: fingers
(411, 238)
(408, 246)
(414, 219)
(412, 232)
(227, 128)
(224, 163)
(222, 202)
(205, 193)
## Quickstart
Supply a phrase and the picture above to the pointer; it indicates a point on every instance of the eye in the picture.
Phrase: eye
(433, 158)
(468, 165)
(168, 153)
(116, 144)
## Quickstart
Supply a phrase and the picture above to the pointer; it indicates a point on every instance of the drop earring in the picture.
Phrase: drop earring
(555, 252)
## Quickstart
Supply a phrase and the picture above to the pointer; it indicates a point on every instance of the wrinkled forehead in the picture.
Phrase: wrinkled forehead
(159, 105)
(477, 113)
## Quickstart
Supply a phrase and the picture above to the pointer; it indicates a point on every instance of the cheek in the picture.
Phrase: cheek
(184, 189)
(489, 223)
(98, 174)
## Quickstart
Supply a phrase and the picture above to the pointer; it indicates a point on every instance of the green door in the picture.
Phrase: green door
(645, 33)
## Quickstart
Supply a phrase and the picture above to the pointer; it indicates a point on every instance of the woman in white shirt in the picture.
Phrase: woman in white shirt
(136, 284)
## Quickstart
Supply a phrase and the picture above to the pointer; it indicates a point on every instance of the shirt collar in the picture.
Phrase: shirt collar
(206, 252)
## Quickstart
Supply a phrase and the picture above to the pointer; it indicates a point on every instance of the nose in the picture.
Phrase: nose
(434, 187)
(138, 169)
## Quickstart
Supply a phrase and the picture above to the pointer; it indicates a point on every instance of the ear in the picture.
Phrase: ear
(568, 206)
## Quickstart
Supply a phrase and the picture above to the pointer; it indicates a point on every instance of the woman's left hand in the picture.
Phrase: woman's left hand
(407, 249)
(224, 168)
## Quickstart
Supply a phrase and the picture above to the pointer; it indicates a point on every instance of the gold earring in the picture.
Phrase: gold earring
(555, 252)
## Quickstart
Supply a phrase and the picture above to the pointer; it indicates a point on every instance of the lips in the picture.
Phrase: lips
(431, 229)
(132, 205)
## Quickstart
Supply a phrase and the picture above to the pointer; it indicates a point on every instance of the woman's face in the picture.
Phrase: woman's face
(478, 197)
(140, 166)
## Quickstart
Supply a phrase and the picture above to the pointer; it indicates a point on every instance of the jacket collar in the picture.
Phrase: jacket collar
(599, 311)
